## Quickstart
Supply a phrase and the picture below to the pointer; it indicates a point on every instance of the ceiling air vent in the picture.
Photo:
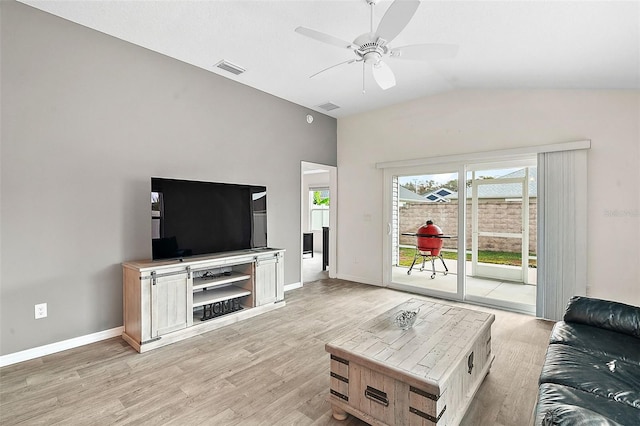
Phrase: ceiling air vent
(328, 106)
(229, 67)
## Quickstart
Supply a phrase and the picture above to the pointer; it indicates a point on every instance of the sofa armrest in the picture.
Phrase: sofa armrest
(609, 315)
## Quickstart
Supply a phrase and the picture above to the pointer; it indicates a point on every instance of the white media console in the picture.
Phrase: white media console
(170, 300)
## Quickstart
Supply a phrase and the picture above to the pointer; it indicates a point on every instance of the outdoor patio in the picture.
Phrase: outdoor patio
(522, 296)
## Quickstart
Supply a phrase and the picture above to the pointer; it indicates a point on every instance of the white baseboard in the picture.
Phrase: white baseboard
(292, 286)
(52, 348)
(360, 280)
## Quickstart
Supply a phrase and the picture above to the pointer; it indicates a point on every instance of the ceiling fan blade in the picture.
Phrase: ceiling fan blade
(425, 52)
(396, 18)
(383, 75)
(324, 38)
(350, 61)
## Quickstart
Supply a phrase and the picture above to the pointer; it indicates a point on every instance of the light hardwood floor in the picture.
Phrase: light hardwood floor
(268, 370)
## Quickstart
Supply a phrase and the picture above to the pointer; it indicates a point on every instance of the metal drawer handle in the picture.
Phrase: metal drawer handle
(376, 396)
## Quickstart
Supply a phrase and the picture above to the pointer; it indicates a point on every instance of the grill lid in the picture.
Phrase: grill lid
(430, 229)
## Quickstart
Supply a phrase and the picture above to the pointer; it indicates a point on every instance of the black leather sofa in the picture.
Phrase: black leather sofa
(591, 373)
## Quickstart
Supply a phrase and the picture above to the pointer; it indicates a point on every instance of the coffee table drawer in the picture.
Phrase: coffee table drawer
(386, 400)
(373, 393)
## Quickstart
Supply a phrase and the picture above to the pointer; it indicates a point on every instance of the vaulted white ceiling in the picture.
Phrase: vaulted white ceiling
(502, 44)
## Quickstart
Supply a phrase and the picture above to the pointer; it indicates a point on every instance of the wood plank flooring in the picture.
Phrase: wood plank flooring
(267, 370)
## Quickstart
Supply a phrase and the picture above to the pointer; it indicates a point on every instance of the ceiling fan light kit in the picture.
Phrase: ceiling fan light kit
(370, 48)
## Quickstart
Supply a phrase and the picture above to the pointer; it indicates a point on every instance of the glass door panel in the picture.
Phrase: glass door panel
(499, 206)
(499, 223)
(423, 261)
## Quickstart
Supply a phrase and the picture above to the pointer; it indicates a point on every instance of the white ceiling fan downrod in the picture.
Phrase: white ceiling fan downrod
(372, 4)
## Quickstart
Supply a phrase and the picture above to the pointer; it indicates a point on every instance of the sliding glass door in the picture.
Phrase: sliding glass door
(485, 251)
(424, 232)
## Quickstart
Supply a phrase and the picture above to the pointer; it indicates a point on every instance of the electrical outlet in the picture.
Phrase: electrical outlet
(41, 310)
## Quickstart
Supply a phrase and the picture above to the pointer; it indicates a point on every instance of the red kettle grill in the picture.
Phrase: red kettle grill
(429, 241)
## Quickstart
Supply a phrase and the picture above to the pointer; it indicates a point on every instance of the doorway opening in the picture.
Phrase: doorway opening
(318, 218)
(314, 262)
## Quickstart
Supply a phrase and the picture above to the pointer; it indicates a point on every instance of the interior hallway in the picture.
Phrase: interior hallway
(312, 268)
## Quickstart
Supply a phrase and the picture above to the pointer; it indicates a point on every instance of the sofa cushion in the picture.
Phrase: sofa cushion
(605, 314)
(563, 405)
(597, 341)
(603, 376)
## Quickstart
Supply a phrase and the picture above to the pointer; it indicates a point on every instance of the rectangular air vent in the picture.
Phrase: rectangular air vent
(229, 67)
(328, 106)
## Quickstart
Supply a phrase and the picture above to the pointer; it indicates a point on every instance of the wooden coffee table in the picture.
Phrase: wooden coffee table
(426, 375)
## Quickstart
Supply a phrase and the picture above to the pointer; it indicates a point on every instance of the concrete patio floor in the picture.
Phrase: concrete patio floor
(523, 296)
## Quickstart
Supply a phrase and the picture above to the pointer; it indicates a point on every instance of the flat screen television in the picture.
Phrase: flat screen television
(191, 218)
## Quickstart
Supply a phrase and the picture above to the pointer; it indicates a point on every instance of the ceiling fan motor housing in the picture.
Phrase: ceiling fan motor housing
(371, 48)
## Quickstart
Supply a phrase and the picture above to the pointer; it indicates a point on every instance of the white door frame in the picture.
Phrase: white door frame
(462, 167)
(306, 168)
(387, 247)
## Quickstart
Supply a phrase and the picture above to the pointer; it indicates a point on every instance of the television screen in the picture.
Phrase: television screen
(192, 218)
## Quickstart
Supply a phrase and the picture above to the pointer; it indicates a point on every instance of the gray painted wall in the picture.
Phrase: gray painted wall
(87, 119)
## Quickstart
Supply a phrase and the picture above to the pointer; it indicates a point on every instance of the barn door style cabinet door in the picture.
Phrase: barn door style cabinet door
(170, 300)
(156, 302)
(269, 279)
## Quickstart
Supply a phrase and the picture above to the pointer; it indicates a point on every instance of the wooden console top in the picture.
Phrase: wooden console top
(191, 260)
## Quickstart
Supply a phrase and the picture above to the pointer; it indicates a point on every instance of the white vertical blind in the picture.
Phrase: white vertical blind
(562, 230)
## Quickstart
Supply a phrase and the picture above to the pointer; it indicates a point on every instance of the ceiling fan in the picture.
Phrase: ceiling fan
(370, 48)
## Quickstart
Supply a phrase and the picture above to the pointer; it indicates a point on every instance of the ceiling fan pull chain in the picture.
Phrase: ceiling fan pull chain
(363, 74)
